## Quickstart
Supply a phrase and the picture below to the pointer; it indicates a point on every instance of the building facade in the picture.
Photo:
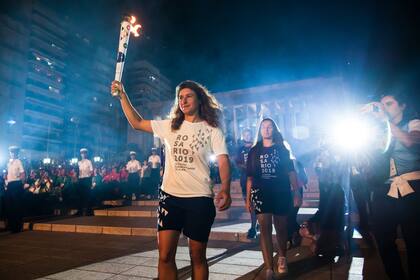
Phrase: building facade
(55, 81)
(145, 86)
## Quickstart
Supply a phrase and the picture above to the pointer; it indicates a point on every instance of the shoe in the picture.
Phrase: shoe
(269, 274)
(282, 265)
(252, 233)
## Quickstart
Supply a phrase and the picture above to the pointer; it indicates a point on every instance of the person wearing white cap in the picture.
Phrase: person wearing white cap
(133, 167)
(155, 163)
(85, 182)
(14, 191)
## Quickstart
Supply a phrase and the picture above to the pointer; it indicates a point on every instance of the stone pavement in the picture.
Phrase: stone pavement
(119, 242)
(55, 255)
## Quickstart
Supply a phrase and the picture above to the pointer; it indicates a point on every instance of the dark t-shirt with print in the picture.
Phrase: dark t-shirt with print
(270, 167)
(241, 159)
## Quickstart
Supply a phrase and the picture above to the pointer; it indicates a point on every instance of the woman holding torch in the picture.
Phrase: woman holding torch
(191, 135)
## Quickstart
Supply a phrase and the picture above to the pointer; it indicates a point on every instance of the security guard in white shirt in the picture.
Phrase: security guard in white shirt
(14, 191)
(133, 167)
(85, 183)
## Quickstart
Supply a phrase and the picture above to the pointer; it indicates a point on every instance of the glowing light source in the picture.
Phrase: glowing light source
(74, 161)
(46, 161)
(212, 158)
(134, 28)
(352, 134)
(11, 122)
(97, 159)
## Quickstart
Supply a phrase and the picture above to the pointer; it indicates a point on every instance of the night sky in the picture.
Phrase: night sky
(236, 44)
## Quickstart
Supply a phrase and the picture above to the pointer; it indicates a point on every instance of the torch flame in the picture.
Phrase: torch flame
(135, 30)
(133, 20)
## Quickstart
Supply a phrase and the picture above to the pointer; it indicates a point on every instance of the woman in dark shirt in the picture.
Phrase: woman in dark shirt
(270, 174)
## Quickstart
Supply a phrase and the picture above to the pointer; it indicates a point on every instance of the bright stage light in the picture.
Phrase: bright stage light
(46, 161)
(74, 161)
(352, 134)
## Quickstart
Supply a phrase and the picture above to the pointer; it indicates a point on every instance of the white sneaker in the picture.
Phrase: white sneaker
(282, 265)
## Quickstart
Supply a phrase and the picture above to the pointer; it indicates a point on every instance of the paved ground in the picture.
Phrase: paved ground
(55, 255)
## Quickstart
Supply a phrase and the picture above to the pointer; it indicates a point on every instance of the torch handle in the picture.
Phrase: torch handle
(122, 51)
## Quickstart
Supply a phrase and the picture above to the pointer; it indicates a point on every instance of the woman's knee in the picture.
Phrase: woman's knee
(198, 255)
(166, 256)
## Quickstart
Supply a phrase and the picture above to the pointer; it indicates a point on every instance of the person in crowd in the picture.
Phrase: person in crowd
(361, 193)
(326, 228)
(241, 160)
(271, 179)
(85, 183)
(293, 226)
(155, 164)
(98, 191)
(133, 166)
(186, 201)
(14, 191)
(396, 199)
(145, 174)
(123, 185)
(112, 181)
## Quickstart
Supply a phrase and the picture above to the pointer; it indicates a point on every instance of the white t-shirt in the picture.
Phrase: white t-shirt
(154, 160)
(187, 152)
(14, 169)
(85, 168)
(133, 166)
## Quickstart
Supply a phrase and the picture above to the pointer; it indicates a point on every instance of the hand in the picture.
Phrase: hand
(297, 199)
(223, 200)
(117, 88)
(376, 109)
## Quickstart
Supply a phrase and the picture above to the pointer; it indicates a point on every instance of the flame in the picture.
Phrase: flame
(135, 30)
(133, 20)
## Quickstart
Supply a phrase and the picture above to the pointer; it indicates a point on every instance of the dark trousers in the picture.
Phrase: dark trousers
(242, 181)
(154, 181)
(14, 206)
(361, 198)
(387, 214)
(83, 190)
(292, 224)
(133, 183)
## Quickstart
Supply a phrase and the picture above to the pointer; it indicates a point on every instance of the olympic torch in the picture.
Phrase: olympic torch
(127, 27)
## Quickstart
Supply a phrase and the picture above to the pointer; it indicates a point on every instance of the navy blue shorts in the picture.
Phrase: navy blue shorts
(266, 201)
(193, 216)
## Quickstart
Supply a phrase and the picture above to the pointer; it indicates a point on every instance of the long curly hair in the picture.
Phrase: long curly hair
(209, 109)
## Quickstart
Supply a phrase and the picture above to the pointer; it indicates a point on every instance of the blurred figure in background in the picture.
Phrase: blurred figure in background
(134, 168)
(155, 164)
(14, 191)
(241, 161)
(85, 183)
